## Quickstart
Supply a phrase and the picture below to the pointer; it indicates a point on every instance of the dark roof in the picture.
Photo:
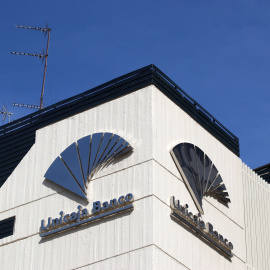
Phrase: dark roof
(264, 172)
(17, 137)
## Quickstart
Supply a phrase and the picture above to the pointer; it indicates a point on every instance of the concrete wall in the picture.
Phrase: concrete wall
(173, 126)
(257, 213)
(118, 240)
(146, 238)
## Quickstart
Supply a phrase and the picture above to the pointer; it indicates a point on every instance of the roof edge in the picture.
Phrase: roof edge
(20, 134)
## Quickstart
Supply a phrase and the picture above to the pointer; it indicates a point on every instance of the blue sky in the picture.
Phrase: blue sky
(216, 51)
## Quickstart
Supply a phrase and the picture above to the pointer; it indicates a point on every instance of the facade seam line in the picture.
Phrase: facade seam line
(137, 164)
(19, 239)
(81, 267)
(168, 170)
(171, 256)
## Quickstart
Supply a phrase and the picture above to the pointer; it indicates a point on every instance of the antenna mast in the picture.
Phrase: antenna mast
(47, 31)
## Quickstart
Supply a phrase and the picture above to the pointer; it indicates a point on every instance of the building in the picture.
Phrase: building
(264, 172)
(132, 174)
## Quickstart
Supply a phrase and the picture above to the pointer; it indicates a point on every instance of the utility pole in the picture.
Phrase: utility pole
(46, 31)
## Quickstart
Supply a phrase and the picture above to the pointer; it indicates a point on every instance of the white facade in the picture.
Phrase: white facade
(147, 237)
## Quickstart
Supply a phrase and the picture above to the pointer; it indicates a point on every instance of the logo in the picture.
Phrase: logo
(202, 179)
(78, 163)
(199, 173)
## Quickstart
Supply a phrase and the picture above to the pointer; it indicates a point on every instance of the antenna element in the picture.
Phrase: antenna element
(26, 105)
(5, 113)
(46, 30)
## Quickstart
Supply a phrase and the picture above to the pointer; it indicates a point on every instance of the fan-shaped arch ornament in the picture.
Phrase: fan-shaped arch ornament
(199, 173)
(78, 163)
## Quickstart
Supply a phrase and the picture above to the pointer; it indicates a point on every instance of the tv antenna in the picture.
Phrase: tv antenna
(5, 113)
(26, 105)
(46, 31)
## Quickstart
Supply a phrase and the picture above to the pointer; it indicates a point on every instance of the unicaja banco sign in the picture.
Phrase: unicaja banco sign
(83, 216)
(78, 163)
(196, 223)
(202, 179)
(74, 168)
(199, 173)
